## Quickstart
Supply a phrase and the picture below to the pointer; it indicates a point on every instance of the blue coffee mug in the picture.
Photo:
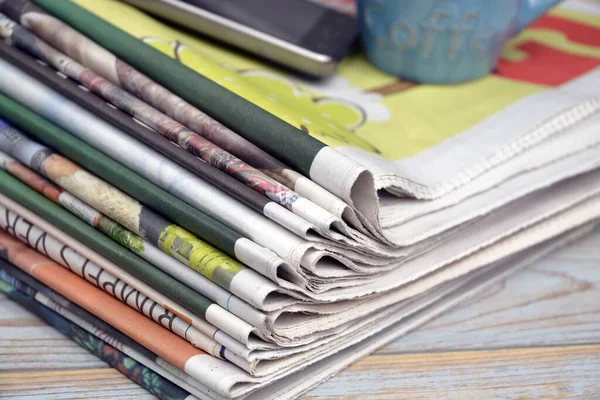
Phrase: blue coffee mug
(442, 41)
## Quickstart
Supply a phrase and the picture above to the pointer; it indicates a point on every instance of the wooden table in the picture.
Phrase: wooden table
(535, 335)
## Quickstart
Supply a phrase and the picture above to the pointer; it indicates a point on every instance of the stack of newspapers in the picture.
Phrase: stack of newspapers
(237, 232)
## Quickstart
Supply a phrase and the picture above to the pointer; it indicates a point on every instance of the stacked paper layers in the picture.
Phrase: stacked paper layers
(230, 232)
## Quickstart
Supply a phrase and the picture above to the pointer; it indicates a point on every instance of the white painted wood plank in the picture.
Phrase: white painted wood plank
(556, 301)
(536, 373)
(28, 343)
(104, 383)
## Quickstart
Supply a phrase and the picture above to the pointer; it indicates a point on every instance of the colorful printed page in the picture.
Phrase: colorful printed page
(364, 108)
(217, 374)
(104, 348)
(423, 141)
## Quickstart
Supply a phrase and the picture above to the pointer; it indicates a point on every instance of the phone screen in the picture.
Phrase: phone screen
(289, 20)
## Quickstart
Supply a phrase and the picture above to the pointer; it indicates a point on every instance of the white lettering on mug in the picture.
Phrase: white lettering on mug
(482, 41)
(459, 31)
(405, 35)
(432, 28)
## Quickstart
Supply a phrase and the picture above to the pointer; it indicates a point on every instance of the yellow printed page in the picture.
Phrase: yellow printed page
(425, 115)
(270, 91)
(359, 107)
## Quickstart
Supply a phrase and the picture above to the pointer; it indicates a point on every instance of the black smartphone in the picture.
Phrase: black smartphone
(299, 34)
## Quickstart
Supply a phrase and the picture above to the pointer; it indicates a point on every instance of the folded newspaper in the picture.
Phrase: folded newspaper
(270, 228)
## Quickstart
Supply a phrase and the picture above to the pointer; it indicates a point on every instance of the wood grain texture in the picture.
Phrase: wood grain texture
(102, 383)
(539, 373)
(556, 301)
(27, 343)
(534, 335)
